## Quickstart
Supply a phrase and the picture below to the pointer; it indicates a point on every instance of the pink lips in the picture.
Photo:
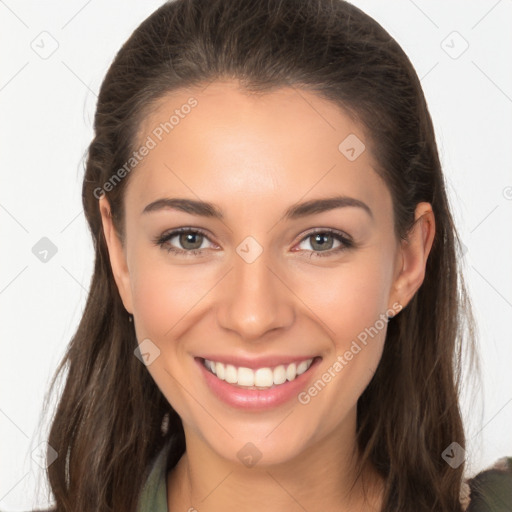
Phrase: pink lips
(256, 399)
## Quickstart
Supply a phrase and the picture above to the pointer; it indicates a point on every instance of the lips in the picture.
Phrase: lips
(254, 398)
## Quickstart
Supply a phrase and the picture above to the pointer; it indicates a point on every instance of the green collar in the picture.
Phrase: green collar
(154, 494)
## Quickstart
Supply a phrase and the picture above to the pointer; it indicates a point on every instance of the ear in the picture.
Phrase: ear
(413, 254)
(116, 254)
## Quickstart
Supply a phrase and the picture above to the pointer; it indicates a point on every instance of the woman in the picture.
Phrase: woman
(276, 305)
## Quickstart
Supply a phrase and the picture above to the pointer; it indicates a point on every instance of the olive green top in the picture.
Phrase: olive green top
(154, 494)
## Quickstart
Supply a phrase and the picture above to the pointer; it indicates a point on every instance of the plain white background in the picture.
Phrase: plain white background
(54, 56)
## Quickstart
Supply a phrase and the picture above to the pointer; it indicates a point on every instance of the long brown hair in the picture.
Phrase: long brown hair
(110, 412)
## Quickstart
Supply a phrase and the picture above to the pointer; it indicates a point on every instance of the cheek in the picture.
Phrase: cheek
(348, 299)
(166, 300)
(154, 298)
(352, 306)
(163, 292)
(353, 310)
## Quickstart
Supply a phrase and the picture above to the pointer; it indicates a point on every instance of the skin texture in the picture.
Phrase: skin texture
(255, 156)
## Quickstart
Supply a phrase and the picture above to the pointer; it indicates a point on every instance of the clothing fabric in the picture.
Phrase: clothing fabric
(491, 490)
(154, 494)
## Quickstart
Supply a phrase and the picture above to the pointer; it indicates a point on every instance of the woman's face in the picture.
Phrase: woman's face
(275, 276)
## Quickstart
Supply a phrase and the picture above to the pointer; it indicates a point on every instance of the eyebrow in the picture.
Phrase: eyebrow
(296, 211)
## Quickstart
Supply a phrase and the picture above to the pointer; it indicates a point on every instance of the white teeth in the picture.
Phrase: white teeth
(219, 371)
(231, 374)
(210, 365)
(279, 374)
(245, 376)
(303, 366)
(261, 378)
(291, 371)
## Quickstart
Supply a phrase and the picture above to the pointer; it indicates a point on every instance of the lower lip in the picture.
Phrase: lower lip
(256, 399)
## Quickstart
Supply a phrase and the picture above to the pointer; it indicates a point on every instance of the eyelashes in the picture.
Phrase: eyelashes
(190, 235)
(164, 241)
(345, 242)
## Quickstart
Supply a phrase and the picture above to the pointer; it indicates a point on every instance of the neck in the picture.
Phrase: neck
(322, 477)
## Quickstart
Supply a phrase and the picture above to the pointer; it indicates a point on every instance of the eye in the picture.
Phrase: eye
(324, 241)
(191, 241)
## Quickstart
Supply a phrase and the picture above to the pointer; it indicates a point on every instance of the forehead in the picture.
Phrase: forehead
(225, 143)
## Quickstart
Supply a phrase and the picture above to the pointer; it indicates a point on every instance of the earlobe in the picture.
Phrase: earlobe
(414, 252)
(116, 255)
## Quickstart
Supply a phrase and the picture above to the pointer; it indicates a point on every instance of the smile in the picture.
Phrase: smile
(260, 378)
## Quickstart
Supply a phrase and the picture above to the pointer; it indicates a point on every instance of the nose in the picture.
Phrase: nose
(255, 299)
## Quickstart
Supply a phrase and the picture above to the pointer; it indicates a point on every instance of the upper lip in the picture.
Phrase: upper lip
(257, 362)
